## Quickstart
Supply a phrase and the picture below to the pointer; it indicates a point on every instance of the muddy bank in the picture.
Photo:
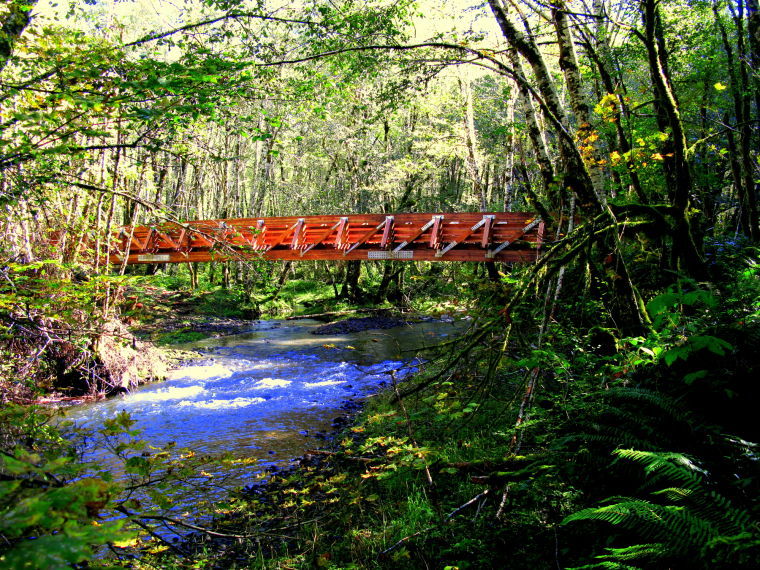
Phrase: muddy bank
(61, 365)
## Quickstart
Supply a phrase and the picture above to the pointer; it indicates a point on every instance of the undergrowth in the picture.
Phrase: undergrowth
(533, 442)
(586, 450)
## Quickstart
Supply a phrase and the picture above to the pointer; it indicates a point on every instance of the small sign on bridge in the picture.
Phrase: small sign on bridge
(381, 254)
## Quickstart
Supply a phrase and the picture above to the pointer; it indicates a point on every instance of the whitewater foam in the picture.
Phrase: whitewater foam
(203, 372)
(323, 383)
(265, 383)
(171, 393)
(222, 404)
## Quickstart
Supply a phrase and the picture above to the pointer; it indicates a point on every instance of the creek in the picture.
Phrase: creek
(268, 395)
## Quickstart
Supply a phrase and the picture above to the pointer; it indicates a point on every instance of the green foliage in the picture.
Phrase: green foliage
(54, 317)
(50, 504)
(594, 393)
(683, 329)
(221, 302)
(696, 524)
(93, 127)
(57, 509)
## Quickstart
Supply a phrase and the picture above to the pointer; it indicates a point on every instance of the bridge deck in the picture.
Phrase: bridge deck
(498, 236)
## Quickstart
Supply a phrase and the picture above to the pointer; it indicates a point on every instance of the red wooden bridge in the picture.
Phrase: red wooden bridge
(497, 236)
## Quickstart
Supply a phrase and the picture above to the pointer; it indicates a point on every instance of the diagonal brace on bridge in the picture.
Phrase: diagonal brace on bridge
(493, 236)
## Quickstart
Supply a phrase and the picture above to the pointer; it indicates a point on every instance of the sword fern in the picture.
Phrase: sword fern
(686, 521)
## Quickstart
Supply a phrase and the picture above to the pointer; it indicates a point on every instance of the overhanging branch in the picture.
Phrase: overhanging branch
(234, 15)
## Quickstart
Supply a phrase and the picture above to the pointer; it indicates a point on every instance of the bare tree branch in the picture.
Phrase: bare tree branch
(234, 15)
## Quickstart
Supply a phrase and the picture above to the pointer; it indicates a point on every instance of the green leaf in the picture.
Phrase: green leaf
(694, 376)
(712, 343)
(662, 302)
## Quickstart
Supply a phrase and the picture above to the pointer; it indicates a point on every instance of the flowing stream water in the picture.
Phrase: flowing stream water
(269, 394)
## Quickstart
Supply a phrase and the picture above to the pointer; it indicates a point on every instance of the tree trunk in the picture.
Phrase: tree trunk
(739, 155)
(678, 174)
(193, 267)
(602, 60)
(745, 127)
(225, 275)
(574, 176)
(350, 289)
(534, 134)
(507, 183)
(382, 289)
(568, 63)
(753, 39)
(470, 140)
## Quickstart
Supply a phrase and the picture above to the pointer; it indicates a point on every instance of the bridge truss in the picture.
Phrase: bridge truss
(497, 236)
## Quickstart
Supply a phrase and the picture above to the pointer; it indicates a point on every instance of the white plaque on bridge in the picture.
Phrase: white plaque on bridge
(382, 254)
(153, 258)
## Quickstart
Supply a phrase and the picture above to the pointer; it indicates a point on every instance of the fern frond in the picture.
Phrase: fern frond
(741, 550)
(676, 467)
(631, 418)
(720, 512)
(611, 437)
(656, 399)
(605, 565)
(651, 551)
(675, 494)
(699, 522)
(625, 511)
(674, 525)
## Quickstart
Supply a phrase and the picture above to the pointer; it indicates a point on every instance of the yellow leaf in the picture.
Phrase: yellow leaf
(126, 543)
(720, 87)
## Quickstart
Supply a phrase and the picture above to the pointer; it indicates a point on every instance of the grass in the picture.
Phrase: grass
(297, 297)
(220, 302)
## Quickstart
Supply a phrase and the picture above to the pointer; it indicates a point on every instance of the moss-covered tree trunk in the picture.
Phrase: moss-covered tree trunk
(686, 254)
